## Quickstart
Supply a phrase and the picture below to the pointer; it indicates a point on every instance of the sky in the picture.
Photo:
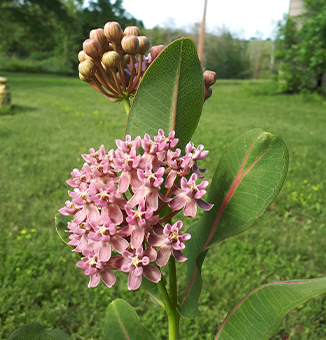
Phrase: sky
(246, 18)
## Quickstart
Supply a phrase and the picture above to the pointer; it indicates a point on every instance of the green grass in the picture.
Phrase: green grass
(54, 119)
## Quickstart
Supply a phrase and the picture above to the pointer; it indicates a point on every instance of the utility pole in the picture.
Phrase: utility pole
(201, 42)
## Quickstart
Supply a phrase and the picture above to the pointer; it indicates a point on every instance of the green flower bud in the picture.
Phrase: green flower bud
(156, 50)
(85, 79)
(126, 60)
(209, 78)
(107, 47)
(92, 48)
(98, 34)
(131, 30)
(143, 45)
(130, 44)
(110, 59)
(113, 31)
(82, 56)
(87, 68)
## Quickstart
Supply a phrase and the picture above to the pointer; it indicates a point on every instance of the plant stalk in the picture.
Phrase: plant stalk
(171, 311)
(126, 104)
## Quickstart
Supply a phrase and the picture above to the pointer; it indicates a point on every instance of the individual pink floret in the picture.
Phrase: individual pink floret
(96, 270)
(139, 221)
(137, 263)
(107, 238)
(166, 142)
(189, 196)
(170, 242)
(69, 209)
(128, 164)
(94, 155)
(150, 190)
(192, 155)
(78, 178)
(129, 144)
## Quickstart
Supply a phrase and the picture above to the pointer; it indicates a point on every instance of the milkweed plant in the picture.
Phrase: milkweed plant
(124, 206)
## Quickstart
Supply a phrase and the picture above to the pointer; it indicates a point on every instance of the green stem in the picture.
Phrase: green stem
(126, 104)
(173, 282)
(171, 311)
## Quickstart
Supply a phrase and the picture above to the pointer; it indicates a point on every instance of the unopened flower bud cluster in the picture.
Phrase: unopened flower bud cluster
(113, 61)
(117, 205)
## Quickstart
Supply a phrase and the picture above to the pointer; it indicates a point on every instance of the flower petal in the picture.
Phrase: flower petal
(178, 255)
(204, 205)
(108, 277)
(118, 243)
(152, 273)
(134, 281)
(190, 208)
(163, 255)
(94, 280)
(137, 237)
(104, 252)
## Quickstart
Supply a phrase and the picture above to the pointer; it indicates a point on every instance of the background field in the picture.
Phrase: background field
(54, 119)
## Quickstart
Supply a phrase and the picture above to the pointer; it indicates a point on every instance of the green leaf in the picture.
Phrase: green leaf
(61, 223)
(34, 331)
(122, 323)
(259, 314)
(151, 289)
(170, 95)
(246, 181)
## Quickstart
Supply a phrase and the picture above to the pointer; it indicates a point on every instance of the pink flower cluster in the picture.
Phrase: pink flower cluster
(117, 200)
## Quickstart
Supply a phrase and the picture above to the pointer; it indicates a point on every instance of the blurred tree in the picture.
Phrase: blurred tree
(54, 29)
(301, 48)
(260, 54)
(28, 25)
(224, 54)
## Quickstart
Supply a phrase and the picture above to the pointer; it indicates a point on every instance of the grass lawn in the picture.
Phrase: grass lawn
(55, 119)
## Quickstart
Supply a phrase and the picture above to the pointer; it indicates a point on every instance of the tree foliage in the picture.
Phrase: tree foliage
(45, 29)
(301, 48)
(50, 33)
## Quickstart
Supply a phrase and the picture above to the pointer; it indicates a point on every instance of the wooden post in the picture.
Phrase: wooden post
(4, 92)
(201, 42)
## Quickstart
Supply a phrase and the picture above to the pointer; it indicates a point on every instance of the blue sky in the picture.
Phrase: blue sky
(244, 17)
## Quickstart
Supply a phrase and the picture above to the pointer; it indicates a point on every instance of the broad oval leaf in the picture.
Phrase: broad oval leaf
(246, 181)
(170, 95)
(258, 315)
(122, 323)
(34, 331)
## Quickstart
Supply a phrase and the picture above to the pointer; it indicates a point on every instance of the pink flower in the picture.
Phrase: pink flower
(150, 188)
(139, 221)
(177, 167)
(69, 209)
(171, 242)
(107, 237)
(128, 163)
(95, 155)
(192, 155)
(104, 221)
(96, 270)
(189, 196)
(78, 178)
(137, 263)
(128, 145)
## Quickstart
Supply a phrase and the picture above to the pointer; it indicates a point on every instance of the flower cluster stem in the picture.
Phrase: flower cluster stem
(126, 104)
(170, 301)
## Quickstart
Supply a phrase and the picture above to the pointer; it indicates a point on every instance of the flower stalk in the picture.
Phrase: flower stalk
(171, 311)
